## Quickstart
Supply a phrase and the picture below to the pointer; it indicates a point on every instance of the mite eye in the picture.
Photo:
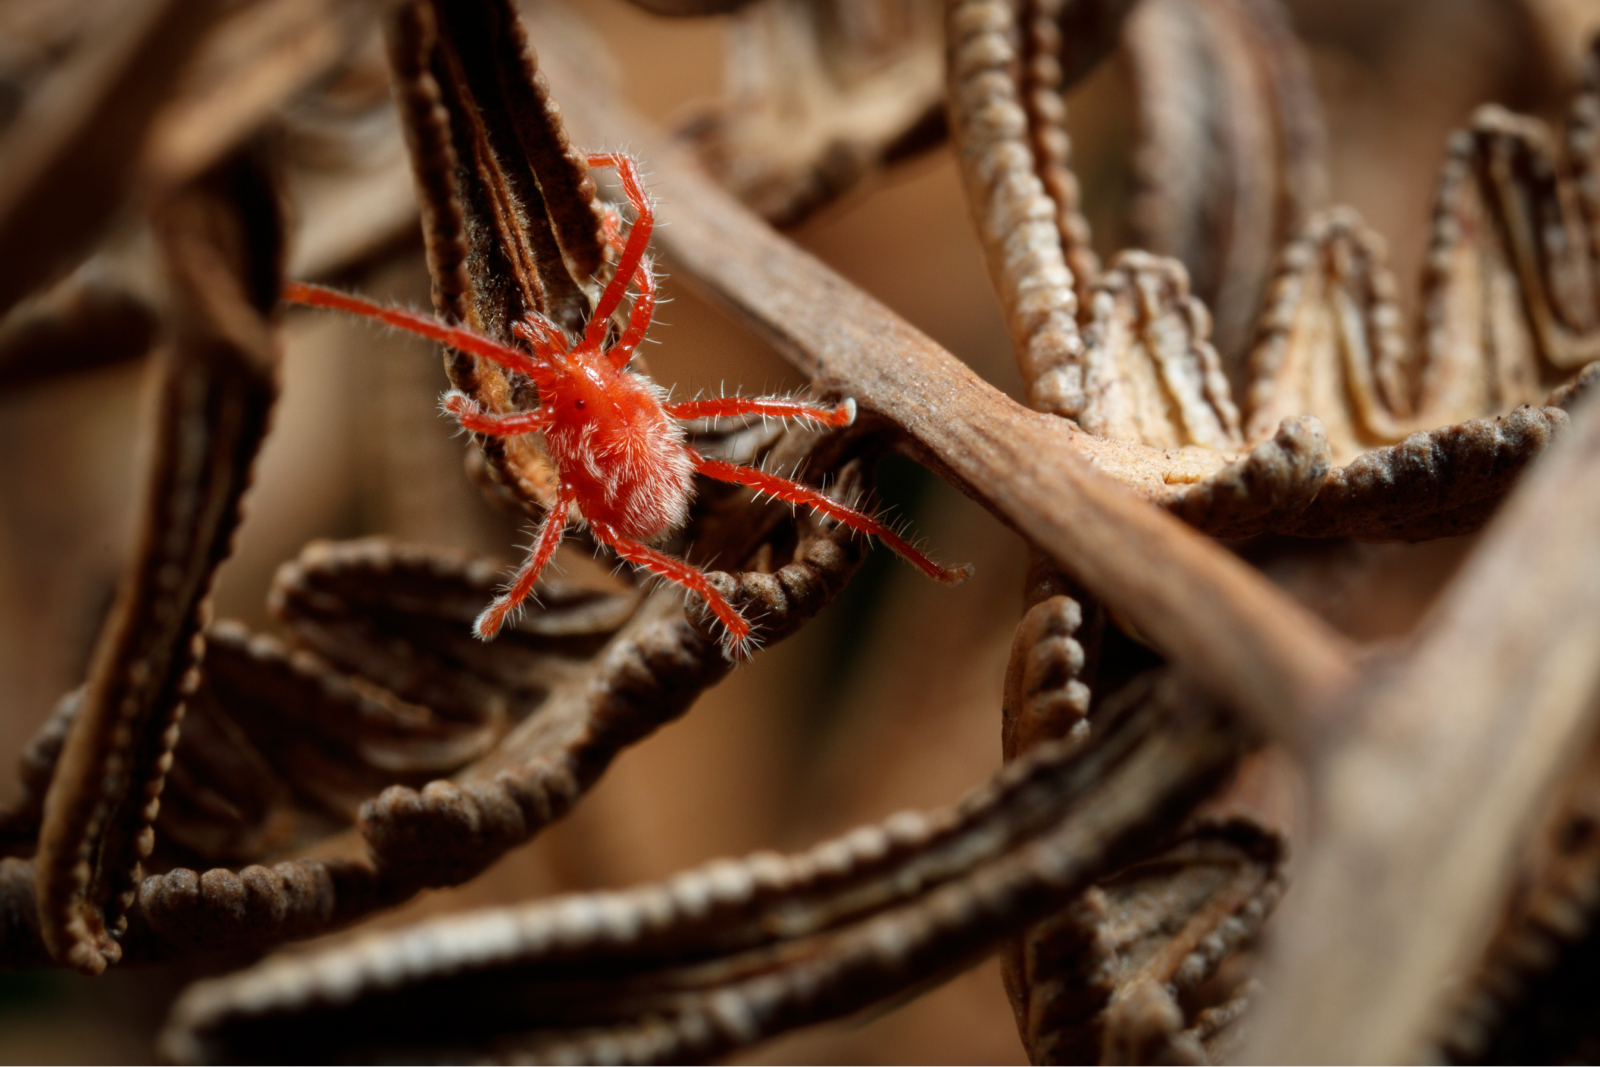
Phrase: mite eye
(580, 405)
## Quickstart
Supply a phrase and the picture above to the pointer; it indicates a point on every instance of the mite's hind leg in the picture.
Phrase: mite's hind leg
(681, 573)
(472, 417)
(795, 493)
(544, 546)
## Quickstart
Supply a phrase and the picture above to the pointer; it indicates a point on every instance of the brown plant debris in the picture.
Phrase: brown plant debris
(508, 211)
(819, 96)
(851, 344)
(72, 151)
(287, 749)
(1168, 711)
(1499, 691)
(721, 957)
(1230, 156)
(1327, 346)
(1119, 975)
(1529, 999)
(218, 385)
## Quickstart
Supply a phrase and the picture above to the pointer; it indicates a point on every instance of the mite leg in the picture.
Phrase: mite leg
(730, 406)
(639, 316)
(611, 226)
(632, 252)
(454, 336)
(474, 418)
(544, 546)
(795, 493)
(682, 574)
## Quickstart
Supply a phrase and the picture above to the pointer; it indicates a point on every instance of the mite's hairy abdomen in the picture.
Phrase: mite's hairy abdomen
(626, 459)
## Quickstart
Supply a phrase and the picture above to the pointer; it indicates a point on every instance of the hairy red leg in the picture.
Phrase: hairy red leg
(544, 546)
(632, 252)
(795, 493)
(612, 227)
(639, 316)
(683, 574)
(474, 418)
(730, 406)
(433, 329)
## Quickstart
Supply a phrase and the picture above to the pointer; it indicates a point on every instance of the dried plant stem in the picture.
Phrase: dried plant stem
(1421, 815)
(1246, 642)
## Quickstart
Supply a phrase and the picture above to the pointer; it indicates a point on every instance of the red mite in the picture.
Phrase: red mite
(618, 445)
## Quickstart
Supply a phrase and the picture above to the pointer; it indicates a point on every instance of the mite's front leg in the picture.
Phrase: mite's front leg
(474, 418)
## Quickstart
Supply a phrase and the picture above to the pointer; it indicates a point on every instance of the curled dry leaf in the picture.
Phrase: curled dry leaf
(508, 211)
(1230, 150)
(1119, 976)
(288, 746)
(659, 663)
(719, 958)
(1509, 303)
(1115, 976)
(218, 384)
(400, 617)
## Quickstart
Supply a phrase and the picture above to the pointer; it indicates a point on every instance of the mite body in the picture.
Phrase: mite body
(621, 454)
